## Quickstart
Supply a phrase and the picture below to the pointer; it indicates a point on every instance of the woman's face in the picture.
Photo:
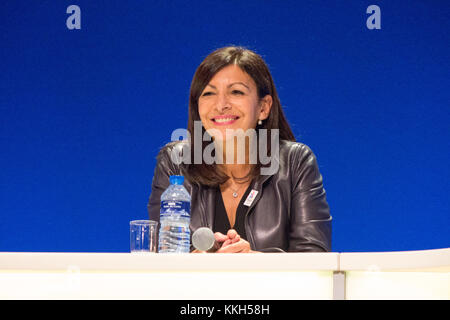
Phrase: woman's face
(230, 101)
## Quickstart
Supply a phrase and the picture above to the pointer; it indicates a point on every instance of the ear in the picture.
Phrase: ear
(266, 105)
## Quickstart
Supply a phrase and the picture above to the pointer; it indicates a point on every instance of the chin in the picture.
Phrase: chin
(219, 134)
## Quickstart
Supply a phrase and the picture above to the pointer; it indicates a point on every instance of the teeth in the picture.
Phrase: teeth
(224, 119)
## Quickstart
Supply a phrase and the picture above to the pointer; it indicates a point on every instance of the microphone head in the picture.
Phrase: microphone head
(203, 239)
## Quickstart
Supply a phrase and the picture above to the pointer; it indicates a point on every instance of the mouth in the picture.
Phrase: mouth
(225, 120)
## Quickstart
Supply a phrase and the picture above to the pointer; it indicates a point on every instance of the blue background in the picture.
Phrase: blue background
(83, 113)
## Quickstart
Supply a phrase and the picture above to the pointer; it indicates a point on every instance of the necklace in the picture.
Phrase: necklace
(235, 192)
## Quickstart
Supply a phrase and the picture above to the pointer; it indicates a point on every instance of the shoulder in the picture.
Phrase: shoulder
(300, 163)
(294, 151)
(172, 152)
(297, 158)
(170, 156)
(172, 147)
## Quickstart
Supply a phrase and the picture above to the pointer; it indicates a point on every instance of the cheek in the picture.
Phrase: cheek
(252, 113)
(202, 111)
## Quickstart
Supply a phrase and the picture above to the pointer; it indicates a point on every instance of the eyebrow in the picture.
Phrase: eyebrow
(231, 84)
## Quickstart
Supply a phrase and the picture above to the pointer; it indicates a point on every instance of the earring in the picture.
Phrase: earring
(260, 122)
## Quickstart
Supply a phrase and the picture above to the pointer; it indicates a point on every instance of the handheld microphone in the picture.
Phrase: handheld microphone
(203, 239)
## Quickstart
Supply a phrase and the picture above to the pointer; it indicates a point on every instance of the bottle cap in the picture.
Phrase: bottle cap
(176, 180)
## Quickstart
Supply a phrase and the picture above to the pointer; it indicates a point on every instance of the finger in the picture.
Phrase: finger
(226, 243)
(241, 246)
(231, 248)
(236, 239)
(220, 237)
(231, 233)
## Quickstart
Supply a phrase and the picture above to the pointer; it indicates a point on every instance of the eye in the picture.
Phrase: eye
(208, 93)
(238, 92)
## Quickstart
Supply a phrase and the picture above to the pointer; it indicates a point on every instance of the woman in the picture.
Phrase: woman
(251, 205)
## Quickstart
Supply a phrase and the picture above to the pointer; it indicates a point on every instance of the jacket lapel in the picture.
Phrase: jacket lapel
(258, 186)
(207, 203)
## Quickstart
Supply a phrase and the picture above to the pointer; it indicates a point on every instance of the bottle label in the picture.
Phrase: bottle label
(171, 207)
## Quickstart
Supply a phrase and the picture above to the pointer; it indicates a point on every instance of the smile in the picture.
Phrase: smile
(223, 120)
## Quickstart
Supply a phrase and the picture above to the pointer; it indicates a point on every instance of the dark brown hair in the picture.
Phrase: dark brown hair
(256, 68)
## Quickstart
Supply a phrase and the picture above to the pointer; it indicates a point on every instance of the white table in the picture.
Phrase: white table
(385, 275)
(397, 275)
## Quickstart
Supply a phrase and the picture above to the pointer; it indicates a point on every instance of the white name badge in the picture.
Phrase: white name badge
(251, 196)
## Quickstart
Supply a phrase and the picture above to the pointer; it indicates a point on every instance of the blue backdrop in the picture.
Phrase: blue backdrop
(84, 112)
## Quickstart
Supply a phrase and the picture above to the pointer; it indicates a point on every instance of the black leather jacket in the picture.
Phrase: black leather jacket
(290, 211)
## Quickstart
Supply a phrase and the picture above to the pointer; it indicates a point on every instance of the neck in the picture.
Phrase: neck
(236, 158)
(236, 170)
(236, 152)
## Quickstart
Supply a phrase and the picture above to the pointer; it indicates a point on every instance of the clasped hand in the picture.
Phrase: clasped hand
(231, 243)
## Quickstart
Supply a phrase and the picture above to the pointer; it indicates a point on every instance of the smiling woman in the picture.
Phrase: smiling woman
(230, 100)
(234, 84)
(249, 209)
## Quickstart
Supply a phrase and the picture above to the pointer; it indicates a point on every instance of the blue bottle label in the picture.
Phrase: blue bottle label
(169, 207)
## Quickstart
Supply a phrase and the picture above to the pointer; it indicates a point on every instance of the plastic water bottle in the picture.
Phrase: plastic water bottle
(174, 233)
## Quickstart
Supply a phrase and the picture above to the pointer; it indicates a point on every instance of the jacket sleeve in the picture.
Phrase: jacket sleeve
(163, 170)
(310, 220)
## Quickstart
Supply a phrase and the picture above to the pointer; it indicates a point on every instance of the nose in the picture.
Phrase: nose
(222, 103)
